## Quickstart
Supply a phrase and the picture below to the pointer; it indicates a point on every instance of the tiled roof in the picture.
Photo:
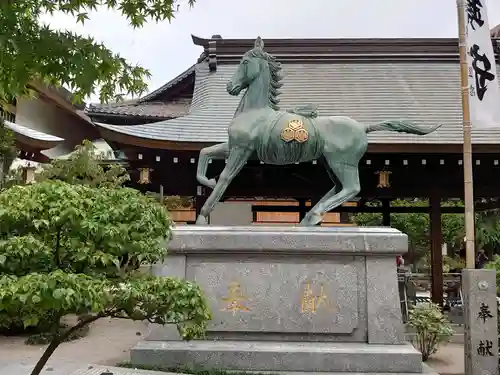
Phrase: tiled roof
(495, 32)
(31, 133)
(146, 106)
(181, 77)
(144, 110)
(423, 91)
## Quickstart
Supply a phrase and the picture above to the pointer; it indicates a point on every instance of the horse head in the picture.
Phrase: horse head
(251, 66)
(257, 65)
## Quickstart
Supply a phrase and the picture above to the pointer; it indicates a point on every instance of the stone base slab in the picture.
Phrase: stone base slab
(426, 370)
(281, 356)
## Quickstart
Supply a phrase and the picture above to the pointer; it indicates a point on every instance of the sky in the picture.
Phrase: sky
(166, 49)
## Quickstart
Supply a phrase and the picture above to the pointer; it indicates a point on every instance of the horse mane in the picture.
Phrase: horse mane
(275, 75)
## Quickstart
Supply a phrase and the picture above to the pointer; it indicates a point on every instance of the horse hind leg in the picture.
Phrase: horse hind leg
(348, 176)
(235, 162)
(330, 173)
(219, 151)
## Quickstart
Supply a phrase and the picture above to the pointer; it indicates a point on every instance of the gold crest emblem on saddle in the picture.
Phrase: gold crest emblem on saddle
(295, 131)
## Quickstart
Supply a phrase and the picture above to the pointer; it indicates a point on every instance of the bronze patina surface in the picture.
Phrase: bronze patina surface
(286, 137)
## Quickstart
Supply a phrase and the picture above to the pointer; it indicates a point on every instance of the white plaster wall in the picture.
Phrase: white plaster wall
(46, 117)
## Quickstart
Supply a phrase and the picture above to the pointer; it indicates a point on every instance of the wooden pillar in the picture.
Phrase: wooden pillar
(436, 249)
(254, 215)
(302, 208)
(344, 217)
(386, 212)
(200, 199)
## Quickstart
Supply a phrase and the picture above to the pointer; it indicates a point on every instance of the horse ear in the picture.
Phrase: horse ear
(259, 43)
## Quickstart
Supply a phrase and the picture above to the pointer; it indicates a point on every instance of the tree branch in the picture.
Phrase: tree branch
(58, 339)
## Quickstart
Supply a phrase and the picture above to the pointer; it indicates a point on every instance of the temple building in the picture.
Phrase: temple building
(48, 126)
(369, 80)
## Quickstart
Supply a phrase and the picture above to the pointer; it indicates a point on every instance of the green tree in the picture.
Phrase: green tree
(488, 231)
(417, 226)
(32, 52)
(74, 249)
(85, 166)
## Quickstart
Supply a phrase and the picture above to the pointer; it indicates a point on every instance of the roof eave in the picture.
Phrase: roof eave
(36, 143)
(375, 148)
(33, 138)
(94, 115)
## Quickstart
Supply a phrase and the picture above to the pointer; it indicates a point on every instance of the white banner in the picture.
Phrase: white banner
(483, 81)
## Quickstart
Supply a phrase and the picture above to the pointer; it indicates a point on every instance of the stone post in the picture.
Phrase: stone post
(480, 313)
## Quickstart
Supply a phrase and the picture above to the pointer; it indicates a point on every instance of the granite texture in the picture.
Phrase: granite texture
(480, 313)
(289, 299)
(383, 304)
(174, 266)
(284, 296)
(297, 240)
(276, 356)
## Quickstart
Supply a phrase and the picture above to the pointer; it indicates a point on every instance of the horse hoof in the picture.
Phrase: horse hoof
(201, 220)
(311, 220)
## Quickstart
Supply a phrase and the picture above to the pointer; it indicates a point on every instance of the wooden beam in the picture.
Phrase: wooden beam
(364, 209)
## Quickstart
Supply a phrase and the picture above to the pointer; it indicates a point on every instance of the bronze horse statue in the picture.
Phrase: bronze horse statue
(287, 137)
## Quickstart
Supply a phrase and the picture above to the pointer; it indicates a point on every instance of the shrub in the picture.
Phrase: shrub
(76, 250)
(431, 328)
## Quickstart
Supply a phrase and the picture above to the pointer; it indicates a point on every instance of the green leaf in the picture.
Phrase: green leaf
(85, 166)
(58, 294)
(431, 328)
(77, 248)
(82, 17)
(33, 53)
(416, 226)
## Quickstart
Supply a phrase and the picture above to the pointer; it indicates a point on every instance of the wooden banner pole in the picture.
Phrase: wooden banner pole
(467, 147)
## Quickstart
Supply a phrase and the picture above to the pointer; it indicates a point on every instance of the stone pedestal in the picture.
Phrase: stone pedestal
(289, 299)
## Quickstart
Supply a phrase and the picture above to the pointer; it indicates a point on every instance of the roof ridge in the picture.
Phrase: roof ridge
(168, 85)
(122, 103)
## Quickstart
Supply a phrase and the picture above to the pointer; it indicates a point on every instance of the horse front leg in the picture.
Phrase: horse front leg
(219, 151)
(236, 160)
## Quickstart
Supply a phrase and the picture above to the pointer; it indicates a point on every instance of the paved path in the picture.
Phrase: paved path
(110, 341)
(449, 360)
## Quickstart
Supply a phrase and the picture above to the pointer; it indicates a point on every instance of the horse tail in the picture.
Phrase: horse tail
(401, 126)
